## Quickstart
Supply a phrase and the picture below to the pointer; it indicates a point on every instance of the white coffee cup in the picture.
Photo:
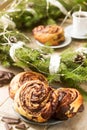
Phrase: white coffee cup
(79, 26)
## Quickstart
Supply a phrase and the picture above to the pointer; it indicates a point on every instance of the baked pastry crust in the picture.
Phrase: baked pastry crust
(70, 103)
(23, 77)
(36, 101)
(49, 35)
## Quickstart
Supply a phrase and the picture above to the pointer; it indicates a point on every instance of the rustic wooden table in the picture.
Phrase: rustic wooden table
(6, 108)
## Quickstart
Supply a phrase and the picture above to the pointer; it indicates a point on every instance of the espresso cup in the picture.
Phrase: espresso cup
(79, 26)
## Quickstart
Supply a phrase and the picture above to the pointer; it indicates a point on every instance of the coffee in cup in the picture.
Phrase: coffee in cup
(79, 26)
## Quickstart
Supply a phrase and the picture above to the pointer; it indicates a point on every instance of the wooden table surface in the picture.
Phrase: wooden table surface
(78, 122)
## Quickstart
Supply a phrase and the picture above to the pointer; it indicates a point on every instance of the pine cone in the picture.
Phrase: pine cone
(79, 58)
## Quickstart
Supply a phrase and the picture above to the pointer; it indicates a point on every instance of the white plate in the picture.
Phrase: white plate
(63, 44)
(68, 31)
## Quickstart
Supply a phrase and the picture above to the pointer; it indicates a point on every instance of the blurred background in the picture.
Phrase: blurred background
(30, 13)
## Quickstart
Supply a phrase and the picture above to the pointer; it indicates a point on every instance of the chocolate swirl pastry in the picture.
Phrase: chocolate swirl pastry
(21, 78)
(36, 101)
(70, 103)
(50, 35)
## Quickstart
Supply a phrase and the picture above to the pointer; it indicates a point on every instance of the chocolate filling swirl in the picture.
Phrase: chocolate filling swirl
(70, 102)
(22, 78)
(36, 101)
(49, 35)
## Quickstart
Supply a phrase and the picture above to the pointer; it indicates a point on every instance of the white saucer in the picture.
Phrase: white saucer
(68, 31)
(63, 44)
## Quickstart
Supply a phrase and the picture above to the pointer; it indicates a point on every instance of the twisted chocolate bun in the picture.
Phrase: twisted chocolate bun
(49, 35)
(70, 103)
(21, 78)
(36, 101)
